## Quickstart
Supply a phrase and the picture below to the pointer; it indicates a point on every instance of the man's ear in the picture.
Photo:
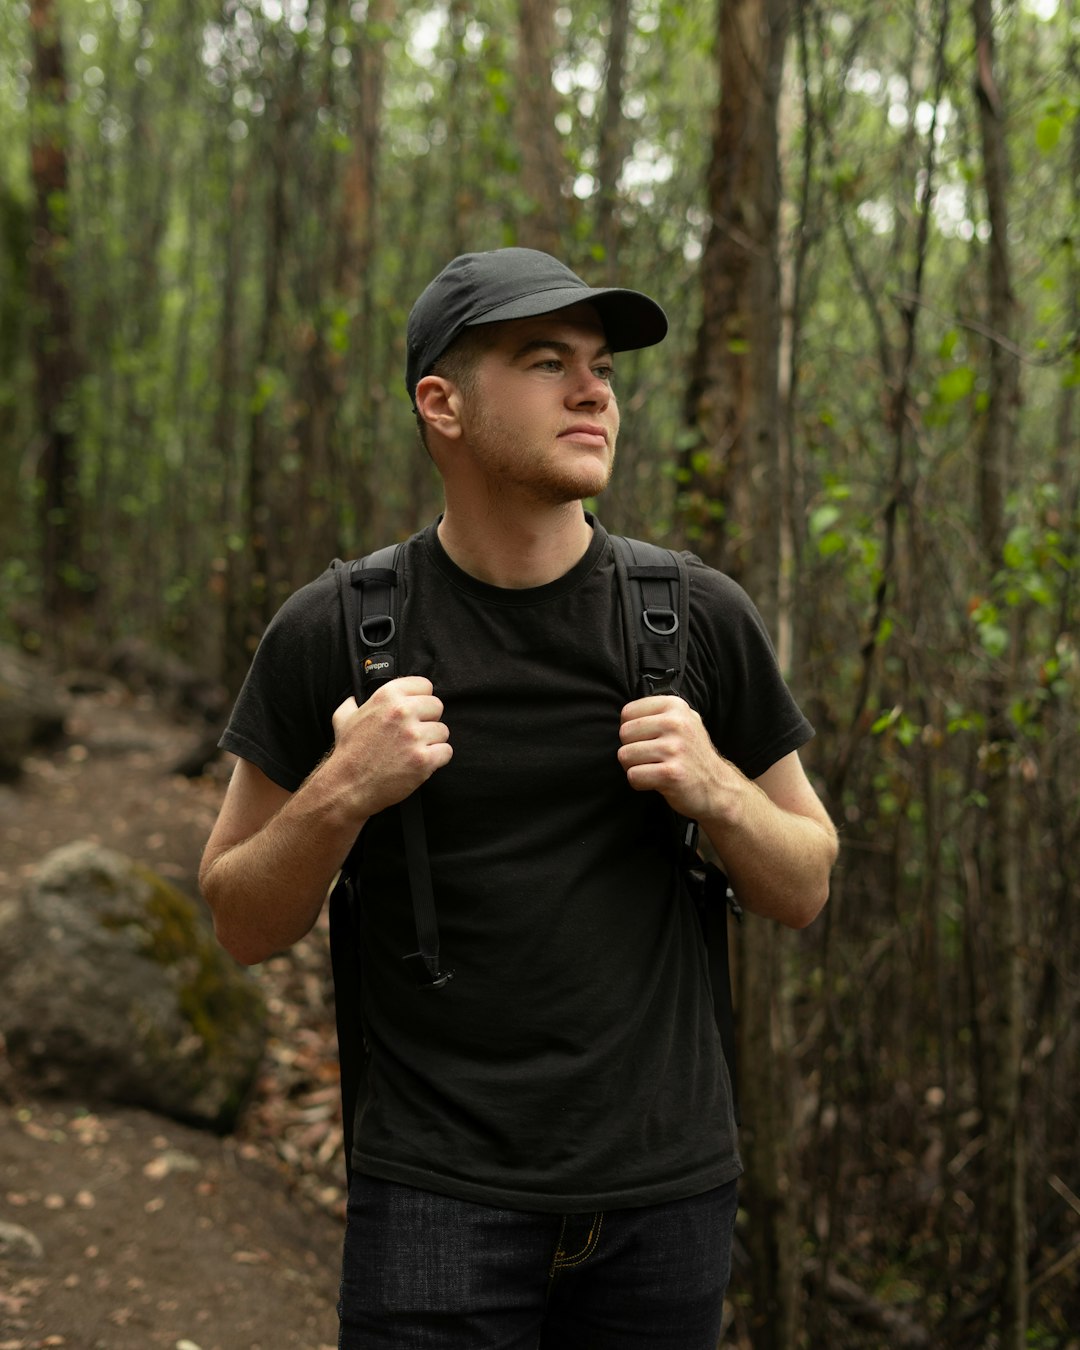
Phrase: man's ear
(438, 401)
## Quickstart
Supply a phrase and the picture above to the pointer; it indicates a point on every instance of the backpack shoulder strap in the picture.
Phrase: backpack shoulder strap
(371, 590)
(344, 939)
(654, 591)
(371, 596)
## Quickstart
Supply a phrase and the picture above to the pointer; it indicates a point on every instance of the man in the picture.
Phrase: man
(545, 1152)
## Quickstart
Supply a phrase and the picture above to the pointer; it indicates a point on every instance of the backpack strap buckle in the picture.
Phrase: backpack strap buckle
(429, 973)
(661, 682)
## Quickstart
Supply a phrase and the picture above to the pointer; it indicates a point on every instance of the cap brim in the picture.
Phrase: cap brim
(631, 320)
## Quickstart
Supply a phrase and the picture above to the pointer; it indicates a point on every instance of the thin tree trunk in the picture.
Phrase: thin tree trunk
(543, 167)
(462, 192)
(731, 400)
(1002, 884)
(729, 510)
(236, 656)
(612, 148)
(258, 515)
(259, 519)
(52, 338)
(359, 230)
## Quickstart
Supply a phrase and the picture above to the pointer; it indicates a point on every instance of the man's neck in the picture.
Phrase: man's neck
(518, 549)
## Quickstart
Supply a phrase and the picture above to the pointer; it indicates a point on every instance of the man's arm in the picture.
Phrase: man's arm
(272, 854)
(774, 836)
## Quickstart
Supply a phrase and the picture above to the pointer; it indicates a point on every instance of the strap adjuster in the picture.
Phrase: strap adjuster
(661, 620)
(377, 630)
(426, 977)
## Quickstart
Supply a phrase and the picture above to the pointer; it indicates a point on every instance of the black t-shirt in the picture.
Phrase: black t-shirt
(573, 1062)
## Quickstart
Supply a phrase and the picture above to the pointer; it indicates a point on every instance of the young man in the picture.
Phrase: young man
(545, 1150)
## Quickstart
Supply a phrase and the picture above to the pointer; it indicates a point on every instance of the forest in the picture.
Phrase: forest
(863, 221)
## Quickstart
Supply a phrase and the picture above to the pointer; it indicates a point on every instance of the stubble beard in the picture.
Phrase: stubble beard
(517, 466)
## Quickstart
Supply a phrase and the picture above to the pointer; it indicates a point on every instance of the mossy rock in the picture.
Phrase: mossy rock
(113, 988)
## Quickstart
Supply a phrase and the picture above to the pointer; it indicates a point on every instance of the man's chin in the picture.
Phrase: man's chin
(588, 480)
(578, 488)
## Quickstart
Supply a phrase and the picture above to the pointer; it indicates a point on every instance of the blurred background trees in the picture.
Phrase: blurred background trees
(863, 222)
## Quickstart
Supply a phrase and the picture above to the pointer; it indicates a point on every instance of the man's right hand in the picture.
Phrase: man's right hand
(273, 854)
(390, 744)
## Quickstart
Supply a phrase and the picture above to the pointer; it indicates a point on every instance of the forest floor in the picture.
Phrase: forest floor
(147, 1233)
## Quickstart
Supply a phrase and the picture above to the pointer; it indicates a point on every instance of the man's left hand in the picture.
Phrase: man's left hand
(665, 748)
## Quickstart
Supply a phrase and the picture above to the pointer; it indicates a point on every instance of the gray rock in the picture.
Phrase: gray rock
(114, 989)
(32, 709)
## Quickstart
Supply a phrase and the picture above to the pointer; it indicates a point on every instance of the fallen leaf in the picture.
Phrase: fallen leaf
(172, 1160)
(251, 1258)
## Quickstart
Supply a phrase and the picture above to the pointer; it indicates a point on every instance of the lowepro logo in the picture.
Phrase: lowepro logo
(377, 665)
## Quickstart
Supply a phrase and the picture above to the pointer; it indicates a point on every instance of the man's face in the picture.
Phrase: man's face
(540, 417)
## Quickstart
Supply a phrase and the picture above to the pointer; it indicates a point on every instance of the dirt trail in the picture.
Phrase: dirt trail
(143, 1233)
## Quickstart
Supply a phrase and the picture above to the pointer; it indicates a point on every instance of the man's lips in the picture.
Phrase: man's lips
(585, 433)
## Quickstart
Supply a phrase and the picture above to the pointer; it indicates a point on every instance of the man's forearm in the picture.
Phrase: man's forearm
(266, 891)
(271, 856)
(778, 861)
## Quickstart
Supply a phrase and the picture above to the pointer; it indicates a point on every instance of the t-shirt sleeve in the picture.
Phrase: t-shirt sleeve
(733, 677)
(281, 721)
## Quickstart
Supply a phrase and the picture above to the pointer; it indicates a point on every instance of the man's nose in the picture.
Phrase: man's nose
(590, 390)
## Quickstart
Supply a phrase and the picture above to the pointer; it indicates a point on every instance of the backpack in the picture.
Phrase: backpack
(654, 593)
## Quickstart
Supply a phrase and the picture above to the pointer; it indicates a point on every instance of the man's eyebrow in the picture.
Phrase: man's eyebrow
(554, 345)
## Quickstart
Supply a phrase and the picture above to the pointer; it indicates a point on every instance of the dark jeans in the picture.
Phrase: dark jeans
(427, 1272)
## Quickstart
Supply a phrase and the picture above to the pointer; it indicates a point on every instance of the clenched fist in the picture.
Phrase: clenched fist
(665, 748)
(391, 743)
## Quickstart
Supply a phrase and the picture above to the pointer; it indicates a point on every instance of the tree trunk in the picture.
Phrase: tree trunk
(731, 481)
(232, 574)
(767, 1100)
(996, 450)
(359, 233)
(543, 166)
(612, 148)
(264, 447)
(731, 402)
(52, 338)
(260, 452)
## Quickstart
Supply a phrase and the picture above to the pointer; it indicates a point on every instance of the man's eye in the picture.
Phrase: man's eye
(604, 373)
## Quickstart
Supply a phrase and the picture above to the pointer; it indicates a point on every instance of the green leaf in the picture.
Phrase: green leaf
(831, 543)
(885, 721)
(994, 638)
(1048, 133)
(686, 439)
(1017, 550)
(956, 384)
(701, 463)
(823, 518)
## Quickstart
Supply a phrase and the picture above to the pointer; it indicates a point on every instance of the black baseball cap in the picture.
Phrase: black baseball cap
(517, 283)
